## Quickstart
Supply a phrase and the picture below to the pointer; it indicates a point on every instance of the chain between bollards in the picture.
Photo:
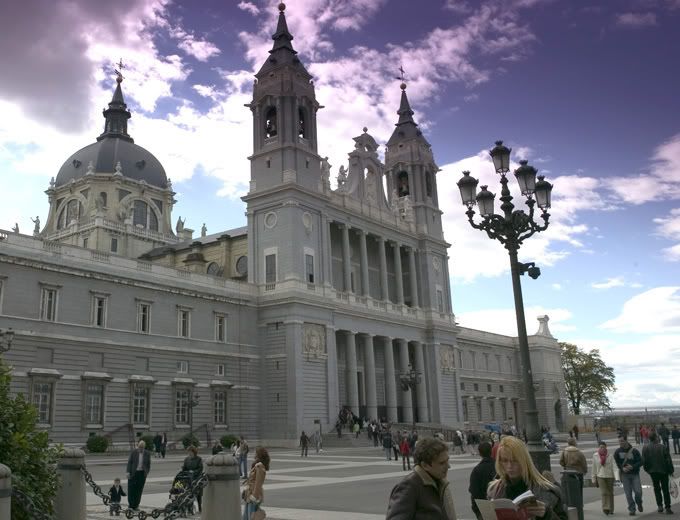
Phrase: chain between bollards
(171, 511)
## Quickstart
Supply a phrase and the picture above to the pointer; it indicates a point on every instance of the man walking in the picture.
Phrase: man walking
(663, 435)
(481, 475)
(243, 456)
(425, 492)
(138, 467)
(572, 458)
(387, 444)
(675, 435)
(658, 463)
(304, 444)
(629, 461)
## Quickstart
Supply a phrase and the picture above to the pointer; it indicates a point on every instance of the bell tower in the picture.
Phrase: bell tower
(284, 110)
(411, 171)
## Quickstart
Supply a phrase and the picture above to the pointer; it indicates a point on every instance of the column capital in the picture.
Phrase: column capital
(380, 238)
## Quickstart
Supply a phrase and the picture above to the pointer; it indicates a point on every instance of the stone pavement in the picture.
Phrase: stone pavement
(346, 479)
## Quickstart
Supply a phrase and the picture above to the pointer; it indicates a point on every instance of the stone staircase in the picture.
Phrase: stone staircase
(346, 440)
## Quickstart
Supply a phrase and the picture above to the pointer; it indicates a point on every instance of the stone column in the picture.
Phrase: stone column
(326, 257)
(346, 265)
(413, 277)
(407, 406)
(385, 291)
(364, 263)
(369, 367)
(421, 389)
(221, 497)
(352, 384)
(390, 382)
(70, 500)
(5, 492)
(398, 275)
(332, 368)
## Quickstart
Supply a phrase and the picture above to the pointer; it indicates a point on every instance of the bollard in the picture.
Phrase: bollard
(222, 497)
(70, 500)
(572, 490)
(5, 492)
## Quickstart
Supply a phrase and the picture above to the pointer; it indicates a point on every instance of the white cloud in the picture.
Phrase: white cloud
(669, 227)
(249, 7)
(556, 286)
(636, 20)
(662, 181)
(651, 312)
(504, 321)
(202, 50)
(616, 281)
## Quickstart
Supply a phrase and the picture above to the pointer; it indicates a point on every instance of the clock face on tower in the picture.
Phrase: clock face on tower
(242, 265)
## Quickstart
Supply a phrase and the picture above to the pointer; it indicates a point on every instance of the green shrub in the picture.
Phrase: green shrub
(97, 444)
(190, 440)
(227, 440)
(148, 440)
(26, 450)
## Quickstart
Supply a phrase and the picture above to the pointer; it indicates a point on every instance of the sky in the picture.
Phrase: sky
(587, 92)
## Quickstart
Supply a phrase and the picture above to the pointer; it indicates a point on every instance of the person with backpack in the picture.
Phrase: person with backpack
(629, 462)
(659, 465)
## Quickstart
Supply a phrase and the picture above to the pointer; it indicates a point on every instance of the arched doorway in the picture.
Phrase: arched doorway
(559, 425)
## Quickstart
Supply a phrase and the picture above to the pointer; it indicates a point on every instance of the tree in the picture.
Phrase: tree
(587, 378)
(25, 450)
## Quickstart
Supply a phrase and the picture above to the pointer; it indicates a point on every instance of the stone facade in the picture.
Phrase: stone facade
(323, 301)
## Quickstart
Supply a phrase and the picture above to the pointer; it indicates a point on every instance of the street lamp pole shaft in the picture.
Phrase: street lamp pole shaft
(538, 453)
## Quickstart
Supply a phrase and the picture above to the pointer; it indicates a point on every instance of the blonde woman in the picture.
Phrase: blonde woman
(605, 473)
(518, 474)
(254, 493)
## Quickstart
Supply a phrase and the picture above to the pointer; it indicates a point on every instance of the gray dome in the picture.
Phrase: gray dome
(136, 162)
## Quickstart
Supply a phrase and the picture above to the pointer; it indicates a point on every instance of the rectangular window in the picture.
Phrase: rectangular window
(42, 400)
(219, 369)
(140, 404)
(220, 328)
(85, 243)
(182, 367)
(500, 388)
(114, 245)
(48, 304)
(488, 388)
(99, 311)
(270, 269)
(94, 403)
(183, 323)
(440, 300)
(462, 386)
(220, 408)
(182, 397)
(143, 317)
(309, 268)
(476, 386)
(466, 413)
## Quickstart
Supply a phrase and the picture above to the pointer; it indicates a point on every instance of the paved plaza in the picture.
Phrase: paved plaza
(338, 484)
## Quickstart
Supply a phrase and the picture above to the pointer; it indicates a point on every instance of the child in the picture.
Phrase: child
(116, 493)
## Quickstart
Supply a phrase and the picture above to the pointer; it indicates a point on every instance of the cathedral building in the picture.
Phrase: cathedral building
(326, 300)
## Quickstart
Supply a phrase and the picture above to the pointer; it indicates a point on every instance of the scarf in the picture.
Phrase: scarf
(603, 455)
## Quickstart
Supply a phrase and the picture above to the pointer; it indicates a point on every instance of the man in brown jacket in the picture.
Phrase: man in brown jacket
(424, 493)
(574, 459)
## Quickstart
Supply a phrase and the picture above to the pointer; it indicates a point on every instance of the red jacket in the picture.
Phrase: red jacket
(404, 448)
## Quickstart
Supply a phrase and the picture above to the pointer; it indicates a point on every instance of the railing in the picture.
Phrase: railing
(131, 434)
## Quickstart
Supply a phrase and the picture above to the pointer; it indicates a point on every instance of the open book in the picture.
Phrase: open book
(504, 508)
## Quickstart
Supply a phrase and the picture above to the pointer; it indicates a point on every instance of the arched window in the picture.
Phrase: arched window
(402, 184)
(302, 123)
(72, 211)
(428, 183)
(270, 122)
(213, 269)
(144, 216)
(102, 196)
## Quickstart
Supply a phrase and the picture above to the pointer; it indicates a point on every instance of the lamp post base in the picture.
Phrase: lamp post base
(540, 457)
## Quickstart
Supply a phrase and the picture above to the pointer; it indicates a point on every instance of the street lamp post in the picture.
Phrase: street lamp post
(193, 402)
(511, 229)
(408, 381)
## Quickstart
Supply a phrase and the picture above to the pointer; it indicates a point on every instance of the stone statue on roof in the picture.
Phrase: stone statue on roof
(342, 177)
(179, 227)
(204, 230)
(36, 221)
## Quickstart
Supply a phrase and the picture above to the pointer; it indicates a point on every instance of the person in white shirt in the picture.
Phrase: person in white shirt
(605, 473)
